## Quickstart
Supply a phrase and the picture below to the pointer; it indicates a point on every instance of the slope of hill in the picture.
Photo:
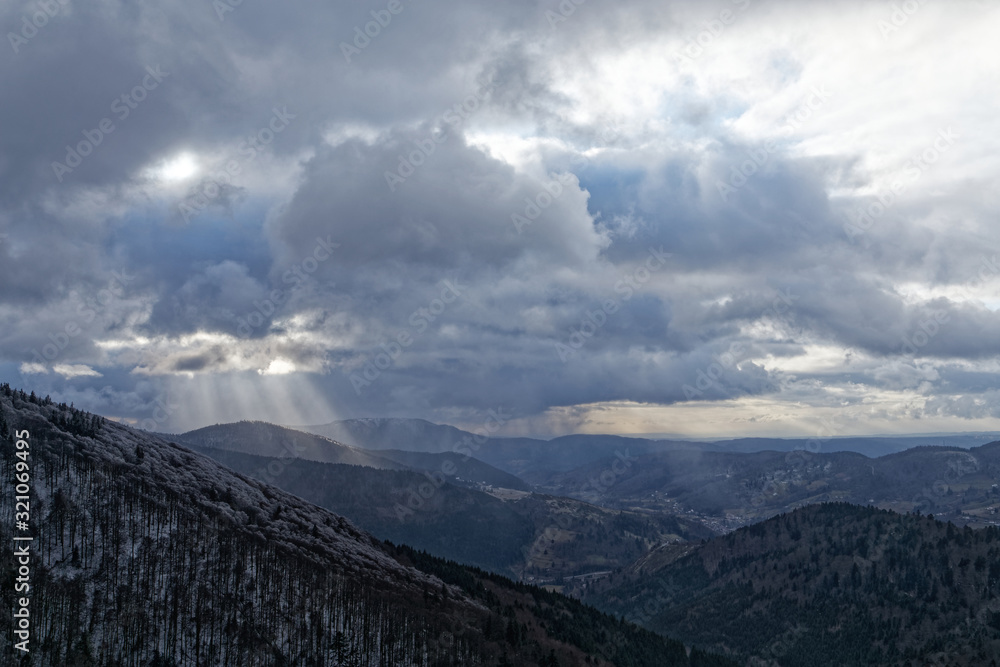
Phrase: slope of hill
(531, 536)
(145, 553)
(264, 439)
(830, 584)
(872, 446)
(449, 521)
(456, 468)
(279, 442)
(742, 488)
(534, 460)
(416, 435)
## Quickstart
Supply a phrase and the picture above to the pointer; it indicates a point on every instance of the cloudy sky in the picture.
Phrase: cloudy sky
(738, 217)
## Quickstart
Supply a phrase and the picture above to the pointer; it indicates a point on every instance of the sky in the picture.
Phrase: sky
(722, 218)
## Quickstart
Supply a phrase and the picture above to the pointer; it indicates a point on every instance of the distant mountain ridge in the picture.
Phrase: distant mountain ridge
(522, 535)
(150, 553)
(728, 484)
(146, 552)
(530, 458)
(265, 439)
(961, 483)
(390, 433)
(723, 489)
(280, 442)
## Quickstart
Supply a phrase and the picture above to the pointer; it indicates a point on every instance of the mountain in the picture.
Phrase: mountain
(523, 457)
(827, 585)
(279, 442)
(533, 460)
(449, 520)
(524, 535)
(462, 470)
(727, 490)
(264, 439)
(385, 433)
(144, 552)
(870, 446)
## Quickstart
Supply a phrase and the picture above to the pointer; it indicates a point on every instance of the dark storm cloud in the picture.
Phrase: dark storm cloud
(209, 300)
(388, 191)
(452, 213)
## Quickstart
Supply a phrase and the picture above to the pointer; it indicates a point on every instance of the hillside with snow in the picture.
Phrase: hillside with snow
(145, 552)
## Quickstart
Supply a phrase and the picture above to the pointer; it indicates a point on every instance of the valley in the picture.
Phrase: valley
(722, 558)
(150, 553)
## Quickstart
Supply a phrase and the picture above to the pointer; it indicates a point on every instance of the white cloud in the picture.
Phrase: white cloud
(70, 371)
(278, 367)
(648, 105)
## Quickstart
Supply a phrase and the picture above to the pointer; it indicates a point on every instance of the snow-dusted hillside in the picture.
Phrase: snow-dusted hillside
(146, 553)
(144, 548)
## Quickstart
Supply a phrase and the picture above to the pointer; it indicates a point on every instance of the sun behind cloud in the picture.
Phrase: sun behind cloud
(180, 167)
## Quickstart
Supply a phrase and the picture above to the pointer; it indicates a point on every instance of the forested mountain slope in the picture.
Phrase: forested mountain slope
(146, 553)
(745, 488)
(827, 585)
(523, 535)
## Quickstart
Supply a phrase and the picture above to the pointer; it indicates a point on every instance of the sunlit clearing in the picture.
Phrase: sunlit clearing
(278, 367)
(178, 168)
